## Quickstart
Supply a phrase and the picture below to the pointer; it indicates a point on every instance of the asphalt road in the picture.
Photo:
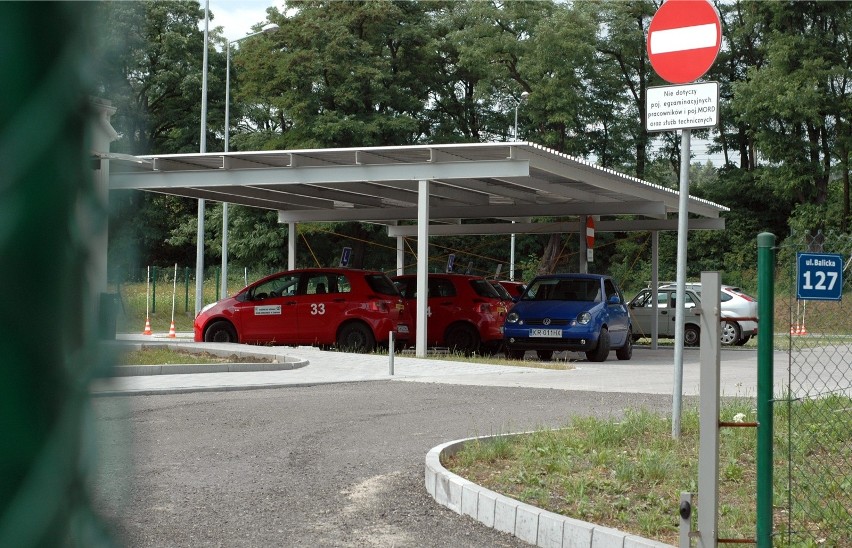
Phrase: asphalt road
(325, 465)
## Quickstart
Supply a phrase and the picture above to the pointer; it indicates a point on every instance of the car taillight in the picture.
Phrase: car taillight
(378, 306)
(748, 298)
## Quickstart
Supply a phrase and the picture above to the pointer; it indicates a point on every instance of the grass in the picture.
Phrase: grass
(160, 355)
(628, 474)
(131, 309)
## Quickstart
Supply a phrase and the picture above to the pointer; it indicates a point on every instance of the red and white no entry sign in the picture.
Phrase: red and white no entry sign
(684, 39)
(590, 232)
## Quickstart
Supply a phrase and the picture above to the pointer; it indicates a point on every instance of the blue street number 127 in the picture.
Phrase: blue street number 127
(820, 276)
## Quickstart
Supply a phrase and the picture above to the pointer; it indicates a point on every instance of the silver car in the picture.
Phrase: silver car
(738, 311)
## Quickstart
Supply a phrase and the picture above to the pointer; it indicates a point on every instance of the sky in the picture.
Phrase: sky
(238, 16)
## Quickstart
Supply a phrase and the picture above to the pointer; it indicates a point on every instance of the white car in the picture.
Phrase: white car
(738, 311)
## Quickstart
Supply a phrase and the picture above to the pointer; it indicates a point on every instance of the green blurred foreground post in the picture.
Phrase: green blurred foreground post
(49, 212)
(765, 343)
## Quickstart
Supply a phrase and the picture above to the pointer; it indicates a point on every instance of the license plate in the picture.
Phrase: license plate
(402, 328)
(551, 333)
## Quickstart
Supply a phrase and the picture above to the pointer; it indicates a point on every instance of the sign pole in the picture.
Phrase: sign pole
(682, 226)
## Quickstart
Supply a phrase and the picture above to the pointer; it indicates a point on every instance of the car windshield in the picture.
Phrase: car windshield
(564, 290)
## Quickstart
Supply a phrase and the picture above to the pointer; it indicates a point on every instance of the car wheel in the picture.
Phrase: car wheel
(356, 337)
(730, 333)
(221, 332)
(601, 351)
(743, 340)
(626, 351)
(544, 355)
(462, 339)
(691, 335)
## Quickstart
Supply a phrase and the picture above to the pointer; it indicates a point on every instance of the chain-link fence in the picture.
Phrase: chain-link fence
(138, 301)
(813, 445)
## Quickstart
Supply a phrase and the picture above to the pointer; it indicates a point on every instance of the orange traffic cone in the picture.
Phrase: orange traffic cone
(147, 327)
(802, 330)
(172, 333)
(794, 329)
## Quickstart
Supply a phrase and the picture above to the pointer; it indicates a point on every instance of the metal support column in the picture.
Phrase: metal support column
(291, 246)
(655, 284)
(400, 255)
(422, 266)
(765, 373)
(708, 448)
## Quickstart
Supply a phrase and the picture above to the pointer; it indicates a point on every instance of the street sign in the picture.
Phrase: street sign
(590, 239)
(590, 232)
(684, 38)
(819, 277)
(345, 257)
(451, 261)
(688, 106)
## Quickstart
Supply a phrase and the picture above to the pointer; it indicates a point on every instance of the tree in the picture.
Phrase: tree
(798, 102)
(151, 71)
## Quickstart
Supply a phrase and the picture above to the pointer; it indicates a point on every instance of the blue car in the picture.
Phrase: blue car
(577, 312)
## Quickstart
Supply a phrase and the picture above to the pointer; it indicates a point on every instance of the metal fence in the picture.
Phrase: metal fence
(813, 475)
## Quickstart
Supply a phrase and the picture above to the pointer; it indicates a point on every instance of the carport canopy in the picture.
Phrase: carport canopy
(506, 183)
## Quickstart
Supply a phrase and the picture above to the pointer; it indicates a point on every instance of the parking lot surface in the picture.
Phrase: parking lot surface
(648, 372)
(235, 459)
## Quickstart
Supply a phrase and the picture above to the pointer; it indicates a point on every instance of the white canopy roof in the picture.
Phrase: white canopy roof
(508, 181)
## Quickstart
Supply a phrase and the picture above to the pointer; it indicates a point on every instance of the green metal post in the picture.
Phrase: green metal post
(186, 289)
(51, 211)
(153, 289)
(765, 344)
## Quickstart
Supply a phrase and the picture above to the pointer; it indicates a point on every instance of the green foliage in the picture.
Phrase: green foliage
(355, 73)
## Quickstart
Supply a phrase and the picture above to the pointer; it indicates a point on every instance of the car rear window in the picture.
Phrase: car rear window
(381, 284)
(502, 291)
(483, 288)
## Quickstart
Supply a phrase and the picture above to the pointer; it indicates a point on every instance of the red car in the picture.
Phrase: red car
(354, 309)
(515, 289)
(465, 313)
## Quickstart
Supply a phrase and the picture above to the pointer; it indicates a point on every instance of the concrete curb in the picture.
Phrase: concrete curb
(528, 523)
(280, 362)
(190, 368)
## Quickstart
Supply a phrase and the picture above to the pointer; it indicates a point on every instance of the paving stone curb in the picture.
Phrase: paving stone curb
(529, 523)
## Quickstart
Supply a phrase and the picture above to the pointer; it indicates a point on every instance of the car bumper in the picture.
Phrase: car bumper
(519, 338)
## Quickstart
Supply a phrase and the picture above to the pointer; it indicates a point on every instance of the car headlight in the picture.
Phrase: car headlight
(512, 317)
(206, 308)
(584, 318)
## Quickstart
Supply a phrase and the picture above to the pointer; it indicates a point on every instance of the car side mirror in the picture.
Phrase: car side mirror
(614, 300)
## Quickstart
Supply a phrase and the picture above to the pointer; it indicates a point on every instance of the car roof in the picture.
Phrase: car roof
(574, 276)
(332, 270)
(440, 274)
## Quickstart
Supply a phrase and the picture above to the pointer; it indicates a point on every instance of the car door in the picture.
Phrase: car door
(619, 318)
(443, 308)
(320, 305)
(642, 310)
(269, 314)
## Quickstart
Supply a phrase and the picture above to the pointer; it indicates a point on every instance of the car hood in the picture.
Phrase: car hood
(552, 309)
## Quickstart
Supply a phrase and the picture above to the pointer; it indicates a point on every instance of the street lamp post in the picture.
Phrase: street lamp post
(524, 95)
(199, 239)
(266, 29)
